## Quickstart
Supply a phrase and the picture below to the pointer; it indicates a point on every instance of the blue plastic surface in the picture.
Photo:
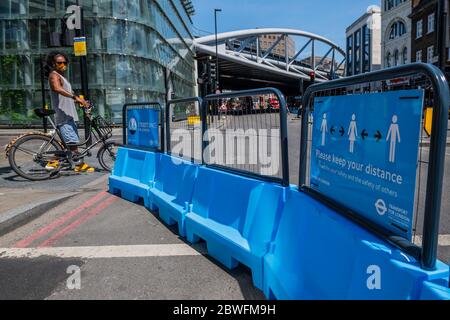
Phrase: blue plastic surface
(236, 216)
(319, 254)
(171, 193)
(133, 173)
(296, 247)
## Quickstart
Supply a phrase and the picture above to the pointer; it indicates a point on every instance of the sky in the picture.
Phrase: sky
(328, 18)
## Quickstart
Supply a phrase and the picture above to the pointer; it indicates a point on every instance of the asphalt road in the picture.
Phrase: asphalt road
(121, 250)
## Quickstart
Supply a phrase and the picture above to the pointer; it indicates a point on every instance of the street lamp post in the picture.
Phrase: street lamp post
(217, 47)
(84, 80)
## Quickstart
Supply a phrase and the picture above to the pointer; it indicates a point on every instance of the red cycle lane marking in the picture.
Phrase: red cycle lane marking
(99, 208)
(46, 230)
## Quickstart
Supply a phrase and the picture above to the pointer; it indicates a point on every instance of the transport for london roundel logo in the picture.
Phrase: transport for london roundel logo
(132, 125)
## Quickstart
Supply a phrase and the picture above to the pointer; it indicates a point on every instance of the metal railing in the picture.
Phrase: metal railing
(439, 98)
(253, 119)
(151, 105)
(183, 122)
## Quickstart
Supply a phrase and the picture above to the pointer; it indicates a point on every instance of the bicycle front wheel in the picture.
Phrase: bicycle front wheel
(31, 154)
(107, 155)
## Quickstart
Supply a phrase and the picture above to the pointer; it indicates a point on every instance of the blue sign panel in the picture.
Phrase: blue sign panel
(143, 127)
(365, 152)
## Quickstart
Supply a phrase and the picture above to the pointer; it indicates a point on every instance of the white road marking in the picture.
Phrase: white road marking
(103, 252)
(443, 241)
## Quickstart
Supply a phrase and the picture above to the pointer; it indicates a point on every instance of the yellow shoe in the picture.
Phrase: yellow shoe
(52, 165)
(84, 168)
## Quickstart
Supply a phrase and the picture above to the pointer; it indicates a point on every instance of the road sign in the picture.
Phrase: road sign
(193, 120)
(143, 127)
(428, 121)
(79, 46)
(364, 154)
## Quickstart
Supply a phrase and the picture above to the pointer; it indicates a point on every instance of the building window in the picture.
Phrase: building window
(388, 59)
(350, 55)
(397, 30)
(357, 52)
(430, 54)
(419, 56)
(388, 4)
(366, 48)
(431, 22)
(405, 55)
(396, 58)
(419, 29)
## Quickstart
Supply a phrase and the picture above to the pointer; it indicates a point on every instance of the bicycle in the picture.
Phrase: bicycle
(30, 153)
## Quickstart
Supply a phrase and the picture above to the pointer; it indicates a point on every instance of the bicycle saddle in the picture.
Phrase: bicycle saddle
(41, 112)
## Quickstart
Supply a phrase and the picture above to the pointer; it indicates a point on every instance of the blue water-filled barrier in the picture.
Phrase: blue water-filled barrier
(319, 254)
(171, 192)
(296, 247)
(134, 172)
(236, 217)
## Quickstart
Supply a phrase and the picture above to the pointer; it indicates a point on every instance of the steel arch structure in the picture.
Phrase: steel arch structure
(244, 47)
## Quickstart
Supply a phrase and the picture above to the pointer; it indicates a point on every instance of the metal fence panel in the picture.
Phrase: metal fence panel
(184, 128)
(430, 165)
(246, 132)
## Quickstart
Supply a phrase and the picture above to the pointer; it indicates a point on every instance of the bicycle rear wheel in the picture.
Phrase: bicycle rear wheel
(30, 155)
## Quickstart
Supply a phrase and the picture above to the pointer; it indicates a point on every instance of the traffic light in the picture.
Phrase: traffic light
(312, 76)
(213, 70)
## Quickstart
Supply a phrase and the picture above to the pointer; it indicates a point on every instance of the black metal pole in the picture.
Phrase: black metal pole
(217, 50)
(441, 34)
(44, 104)
(84, 81)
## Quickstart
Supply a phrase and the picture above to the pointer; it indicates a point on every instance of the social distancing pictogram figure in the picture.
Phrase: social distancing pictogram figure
(394, 136)
(352, 133)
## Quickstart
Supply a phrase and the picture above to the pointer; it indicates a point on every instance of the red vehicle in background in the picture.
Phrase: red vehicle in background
(274, 104)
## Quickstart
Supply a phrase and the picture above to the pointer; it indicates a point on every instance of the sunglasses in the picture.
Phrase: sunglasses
(61, 63)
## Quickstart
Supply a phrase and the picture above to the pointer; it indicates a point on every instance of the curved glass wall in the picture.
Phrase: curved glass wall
(130, 43)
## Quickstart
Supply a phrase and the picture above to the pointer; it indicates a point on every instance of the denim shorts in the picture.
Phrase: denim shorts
(69, 132)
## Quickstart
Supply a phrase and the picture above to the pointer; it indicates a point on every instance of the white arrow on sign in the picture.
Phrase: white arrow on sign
(74, 20)
(380, 205)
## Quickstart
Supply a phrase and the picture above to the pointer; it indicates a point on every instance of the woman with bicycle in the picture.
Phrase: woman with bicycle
(63, 102)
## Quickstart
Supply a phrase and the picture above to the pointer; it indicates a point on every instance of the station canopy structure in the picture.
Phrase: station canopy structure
(281, 58)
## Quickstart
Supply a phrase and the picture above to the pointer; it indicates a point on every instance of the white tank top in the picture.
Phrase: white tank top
(64, 106)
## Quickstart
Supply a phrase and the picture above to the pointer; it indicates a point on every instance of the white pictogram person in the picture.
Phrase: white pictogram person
(394, 136)
(324, 128)
(352, 133)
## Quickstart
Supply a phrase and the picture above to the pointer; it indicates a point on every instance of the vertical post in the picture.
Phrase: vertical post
(313, 58)
(441, 33)
(284, 139)
(84, 80)
(167, 113)
(286, 51)
(217, 48)
(258, 53)
(333, 61)
(436, 170)
(44, 104)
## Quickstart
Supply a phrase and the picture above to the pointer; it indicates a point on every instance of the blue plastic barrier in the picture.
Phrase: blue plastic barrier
(133, 173)
(171, 192)
(319, 254)
(236, 216)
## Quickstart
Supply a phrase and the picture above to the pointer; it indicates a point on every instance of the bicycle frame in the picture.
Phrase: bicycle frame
(68, 146)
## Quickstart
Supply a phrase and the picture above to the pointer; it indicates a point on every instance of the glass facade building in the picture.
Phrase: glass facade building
(131, 44)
